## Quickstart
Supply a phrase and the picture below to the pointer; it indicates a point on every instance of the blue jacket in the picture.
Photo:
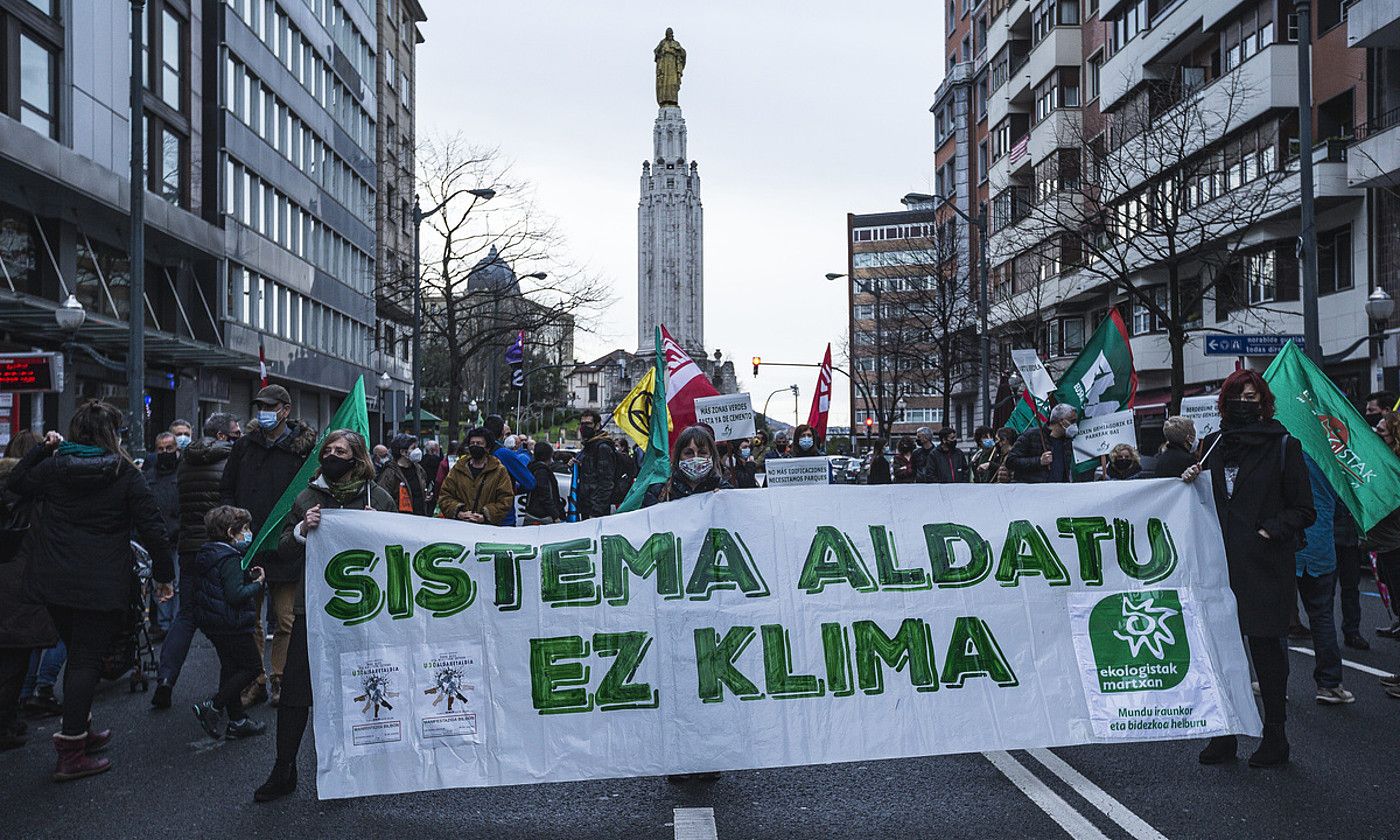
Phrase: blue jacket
(1319, 556)
(223, 600)
(518, 465)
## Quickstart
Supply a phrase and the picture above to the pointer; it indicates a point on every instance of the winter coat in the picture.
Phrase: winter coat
(678, 488)
(517, 466)
(256, 475)
(22, 625)
(201, 471)
(165, 488)
(1024, 460)
(903, 470)
(1173, 461)
(984, 455)
(923, 466)
(80, 543)
(1271, 493)
(488, 493)
(397, 482)
(948, 466)
(291, 547)
(545, 501)
(879, 470)
(597, 476)
(743, 474)
(224, 599)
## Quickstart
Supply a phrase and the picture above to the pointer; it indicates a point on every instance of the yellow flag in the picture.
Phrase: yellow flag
(633, 414)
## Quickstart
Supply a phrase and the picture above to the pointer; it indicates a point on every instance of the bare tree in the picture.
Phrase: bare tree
(1164, 207)
(473, 304)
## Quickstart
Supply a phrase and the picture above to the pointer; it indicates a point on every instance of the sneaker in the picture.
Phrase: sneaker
(1392, 681)
(1391, 632)
(1356, 641)
(211, 719)
(1334, 696)
(245, 728)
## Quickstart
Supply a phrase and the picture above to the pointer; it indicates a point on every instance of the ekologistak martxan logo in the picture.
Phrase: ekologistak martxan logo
(1139, 641)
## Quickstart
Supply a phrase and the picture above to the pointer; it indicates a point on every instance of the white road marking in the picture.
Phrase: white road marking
(1365, 669)
(695, 824)
(1075, 824)
(1097, 796)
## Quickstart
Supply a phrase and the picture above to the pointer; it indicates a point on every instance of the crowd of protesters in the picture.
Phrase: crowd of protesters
(73, 505)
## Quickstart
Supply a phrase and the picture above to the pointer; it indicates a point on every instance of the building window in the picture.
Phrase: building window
(1059, 90)
(1260, 277)
(1093, 70)
(167, 110)
(31, 41)
(1334, 261)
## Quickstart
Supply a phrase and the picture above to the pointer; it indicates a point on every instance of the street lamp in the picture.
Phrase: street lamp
(384, 382)
(70, 315)
(1379, 306)
(795, 406)
(472, 407)
(479, 194)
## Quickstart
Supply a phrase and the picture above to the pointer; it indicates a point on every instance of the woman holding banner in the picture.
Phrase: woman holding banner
(1264, 500)
(345, 480)
(694, 469)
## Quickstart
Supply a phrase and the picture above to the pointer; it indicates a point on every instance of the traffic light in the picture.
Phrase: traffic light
(869, 422)
(756, 362)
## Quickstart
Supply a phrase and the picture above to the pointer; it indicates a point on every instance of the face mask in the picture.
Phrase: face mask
(585, 432)
(1071, 430)
(477, 451)
(1241, 412)
(244, 540)
(744, 451)
(988, 443)
(696, 468)
(1373, 419)
(334, 469)
(415, 455)
(166, 461)
(267, 420)
(1122, 463)
(805, 442)
(181, 441)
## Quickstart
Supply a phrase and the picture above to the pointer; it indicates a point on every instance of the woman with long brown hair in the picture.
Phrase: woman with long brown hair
(91, 498)
(344, 480)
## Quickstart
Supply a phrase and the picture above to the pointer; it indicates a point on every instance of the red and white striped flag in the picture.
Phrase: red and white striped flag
(685, 382)
(821, 400)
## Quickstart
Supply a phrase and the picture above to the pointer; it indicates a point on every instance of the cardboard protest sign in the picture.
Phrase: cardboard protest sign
(729, 416)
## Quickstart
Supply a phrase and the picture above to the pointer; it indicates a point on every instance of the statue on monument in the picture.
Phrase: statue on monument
(670, 65)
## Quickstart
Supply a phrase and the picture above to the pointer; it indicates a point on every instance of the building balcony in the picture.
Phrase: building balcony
(1373, 24)
(1062, 129)
(1153, 54)
(1062, 47)
(1374, 159)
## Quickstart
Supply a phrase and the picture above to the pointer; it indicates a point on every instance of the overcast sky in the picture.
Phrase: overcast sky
(799, 111)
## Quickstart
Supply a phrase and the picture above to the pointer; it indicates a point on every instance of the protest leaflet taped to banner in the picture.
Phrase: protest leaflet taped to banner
(740, 629)
(1204, 412)
(729, 416)
(795, 472)
(1098, 435)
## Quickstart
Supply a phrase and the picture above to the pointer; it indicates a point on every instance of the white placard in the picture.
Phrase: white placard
(1035, 377)
(1204, 412)
(1098, 435)
(729, 416)
(795, 472)
(737, 629)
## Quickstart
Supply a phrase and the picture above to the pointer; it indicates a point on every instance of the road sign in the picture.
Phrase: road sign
(1248, 345)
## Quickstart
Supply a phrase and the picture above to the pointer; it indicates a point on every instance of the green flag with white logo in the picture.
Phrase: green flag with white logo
(1101, 380)
(1357, 463)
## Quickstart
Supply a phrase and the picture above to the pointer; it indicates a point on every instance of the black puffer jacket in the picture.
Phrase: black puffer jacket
(201, 471)
(544, 501)
(223, 596)
(255, 477)
(21, 625)
(597, 477)
(166, 490)
(80, 545)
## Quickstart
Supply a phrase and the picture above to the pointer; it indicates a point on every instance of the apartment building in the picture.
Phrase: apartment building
(1048, 102)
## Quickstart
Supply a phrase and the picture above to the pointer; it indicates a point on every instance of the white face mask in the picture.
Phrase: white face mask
(1071, 430)
(696, 468)
(805, 442)
(415, 455)
(182, 441)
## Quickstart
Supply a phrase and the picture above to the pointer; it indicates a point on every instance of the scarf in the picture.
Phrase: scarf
(80, 450)
(346, 490)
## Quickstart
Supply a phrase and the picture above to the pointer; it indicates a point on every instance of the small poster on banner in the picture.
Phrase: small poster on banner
(447, 679)
(1098, 435)
(795, 472)
(373, 687)
(1205, 413)
(730, 416)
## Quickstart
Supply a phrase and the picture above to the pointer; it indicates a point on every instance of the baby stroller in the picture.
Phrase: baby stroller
(132, 654)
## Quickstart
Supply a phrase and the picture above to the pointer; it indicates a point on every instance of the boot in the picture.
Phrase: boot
(1273, 750)
(160, 699)
(73, 760)
(1220, 750)
(97, 739)
(281, 782)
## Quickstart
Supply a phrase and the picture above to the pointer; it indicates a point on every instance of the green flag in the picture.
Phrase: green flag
(1357, 463)
(656, 463)
(1024, 416)
(1101, 380)
(351, 415)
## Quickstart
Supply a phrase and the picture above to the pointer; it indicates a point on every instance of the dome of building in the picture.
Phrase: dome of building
(491, 274)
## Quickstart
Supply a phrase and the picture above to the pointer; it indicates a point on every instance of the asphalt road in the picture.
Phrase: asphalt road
(169, 780)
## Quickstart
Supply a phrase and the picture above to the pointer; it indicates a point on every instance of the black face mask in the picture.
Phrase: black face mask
(1241, 412)
(334, 469)
(1122, 464)
(166, 461)
(476, 451)
(1373, 419)
(586, 432)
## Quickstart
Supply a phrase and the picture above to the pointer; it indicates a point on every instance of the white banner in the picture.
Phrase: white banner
(1098, 435)
(1205, 413)
(1033, 373)
(796, 626)
(729, 416)
(795, 472)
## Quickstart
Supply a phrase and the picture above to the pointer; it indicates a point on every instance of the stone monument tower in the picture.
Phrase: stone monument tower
(670, 221)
